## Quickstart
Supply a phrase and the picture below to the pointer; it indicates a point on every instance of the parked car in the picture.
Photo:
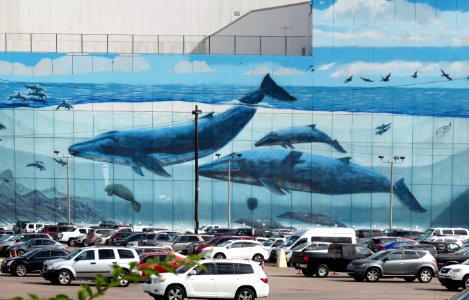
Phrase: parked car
(367, 233)
(207, 228)
(19, 238)
(93, 234)
(235, 279)
(30, 261)
(84, 263)
(217, 240)
(142, 250)
(117, 238)
(20, 225)
(443, 247)
(71, 234)
(184, 240)
(33, 227)
(307, 247)
(237, 249)
(158, 261)
(430, 248)
(407, 264)
(54, 230)
(272, 243)
(155, 238)
(438, 231)
(377, 243)
(398, 244)
(445, 259)
(103, 239)
(403, 233)
(455, 276)
(20, 248)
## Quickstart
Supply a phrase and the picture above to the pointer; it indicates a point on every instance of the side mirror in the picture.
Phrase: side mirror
(192, 272)
(386, 258)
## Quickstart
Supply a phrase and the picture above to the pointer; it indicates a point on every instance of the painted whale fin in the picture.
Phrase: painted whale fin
(406, 197)
(273, 90)
(136, 206)
(313, 126)
(138, 170)
(345, 160)
(152, 164)
(209, 115)
(337, 146)
(271, 185)
(286, 143)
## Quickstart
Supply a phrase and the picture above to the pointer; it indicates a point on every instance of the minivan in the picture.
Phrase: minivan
(444, 231)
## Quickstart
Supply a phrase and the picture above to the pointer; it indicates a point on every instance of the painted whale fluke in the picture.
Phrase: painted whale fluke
(136, 206)
(268, 88)
(337, 146)
(406, 197)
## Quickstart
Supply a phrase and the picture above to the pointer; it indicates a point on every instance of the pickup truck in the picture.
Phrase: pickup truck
(70, 236)
(336, 259)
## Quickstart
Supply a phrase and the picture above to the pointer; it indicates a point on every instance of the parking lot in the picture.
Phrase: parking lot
(285, 283)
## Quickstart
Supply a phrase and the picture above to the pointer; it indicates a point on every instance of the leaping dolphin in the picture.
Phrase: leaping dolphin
(154, 148)
(19, 96)
(298, 134)
(35, 88)
(283, 170)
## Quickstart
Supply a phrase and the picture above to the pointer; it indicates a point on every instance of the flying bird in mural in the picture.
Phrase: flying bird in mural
(415, 75)
(348, 79)
(19, 96)
(310, 68)
(443, 129)
(298, 134)
(123, 192)
(382, 128)
(38, 164)
(64, 105)
(282, 171)
(446, 75)
(154, 148)
(60, 161)
(386, 78)
(366, 79)
(35, 88)
(2, 127)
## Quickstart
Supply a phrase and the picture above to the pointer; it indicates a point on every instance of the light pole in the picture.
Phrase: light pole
(196, 112)
(391, 162)
(233, 156)
(67, 165)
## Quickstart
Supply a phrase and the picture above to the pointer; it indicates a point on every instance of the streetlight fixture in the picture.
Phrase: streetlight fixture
(233, 156)
(396, 160)
(196, 112)
(67, 165)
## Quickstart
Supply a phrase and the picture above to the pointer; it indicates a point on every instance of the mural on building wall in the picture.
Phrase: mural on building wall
(306, 132)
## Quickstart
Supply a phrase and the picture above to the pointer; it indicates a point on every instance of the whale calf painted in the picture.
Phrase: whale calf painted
(281, 171)
(298, 134)
(154, 148)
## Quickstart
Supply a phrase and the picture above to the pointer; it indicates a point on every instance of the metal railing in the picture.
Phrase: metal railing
(155, 44)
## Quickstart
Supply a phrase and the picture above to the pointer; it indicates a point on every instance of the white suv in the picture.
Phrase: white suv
(70, 236)
(84, 263)
(226, 279)
(454, 276)
(237, 249)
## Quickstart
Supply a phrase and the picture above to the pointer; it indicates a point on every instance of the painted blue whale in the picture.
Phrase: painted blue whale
(281, 171)
(154, 148)
(298, 134)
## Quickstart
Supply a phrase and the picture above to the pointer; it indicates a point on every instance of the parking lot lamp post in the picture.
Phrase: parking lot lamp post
(67, 165)
(391, 162)
(196, 112)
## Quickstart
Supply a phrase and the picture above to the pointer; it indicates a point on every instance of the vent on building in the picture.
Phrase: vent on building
(236, 13)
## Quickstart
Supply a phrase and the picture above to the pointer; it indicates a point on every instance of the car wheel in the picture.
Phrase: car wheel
(322, 271)
(219, 256)
(122, 279)
(20, 270)
(72, 242)
(409, 279)
(174, 293)
(258, 257)
(425, 275)
(64, 277)
(20, 252)
(85, 243)
(307, 272)
(245, 294)
(372, 275)
(465, 282)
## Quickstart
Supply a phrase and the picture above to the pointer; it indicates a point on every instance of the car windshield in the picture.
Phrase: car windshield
(29, 253)
(72, 254)
(268, 243)
(182, 269)
(462, 251)
(106, 234)
(5, 238)
(292, 239)
(428, 232)
(172, 238)
(378, 256)
(300, 246)
(466, 262)
(225, 243)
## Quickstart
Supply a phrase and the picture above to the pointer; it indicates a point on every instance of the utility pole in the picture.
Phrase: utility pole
(68, 183)
(397, 160)
(196, 112)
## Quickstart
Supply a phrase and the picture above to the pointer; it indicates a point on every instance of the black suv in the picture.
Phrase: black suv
(31, 261)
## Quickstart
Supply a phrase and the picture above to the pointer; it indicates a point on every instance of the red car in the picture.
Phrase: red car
(161, 257)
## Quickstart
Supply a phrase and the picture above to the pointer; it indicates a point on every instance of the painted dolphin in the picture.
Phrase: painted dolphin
(60, 161)
(65, 105)
(383, 126)
(282, 170)
(2, 127)
(34, 87)
(37, 94)
(154, 148)
(19, 96)
(123, 192)
(37, 164)
(298, 134)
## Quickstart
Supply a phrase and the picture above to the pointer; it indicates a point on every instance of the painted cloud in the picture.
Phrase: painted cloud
(192, 67)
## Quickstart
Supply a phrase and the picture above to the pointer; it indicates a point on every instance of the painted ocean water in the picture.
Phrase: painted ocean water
(434, 102)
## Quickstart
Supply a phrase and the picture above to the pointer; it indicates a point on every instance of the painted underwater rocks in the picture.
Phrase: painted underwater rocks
(282, 171)
(298, 134)
(123, 192)
(154, 148)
